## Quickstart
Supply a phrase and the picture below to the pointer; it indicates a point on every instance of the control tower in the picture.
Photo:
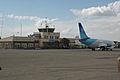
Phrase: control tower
(46, 36)
(46, 28)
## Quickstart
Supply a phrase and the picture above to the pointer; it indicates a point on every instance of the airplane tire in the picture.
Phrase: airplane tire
(103, 48)
(93, 49)
(0, 68)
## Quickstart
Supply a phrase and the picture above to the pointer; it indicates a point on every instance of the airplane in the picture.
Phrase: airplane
(95, 43)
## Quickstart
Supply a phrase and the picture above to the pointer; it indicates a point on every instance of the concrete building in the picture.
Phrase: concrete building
(15, 42)
(45, 38)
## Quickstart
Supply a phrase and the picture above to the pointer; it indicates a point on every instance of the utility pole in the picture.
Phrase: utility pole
(21, 29)
(1, 25)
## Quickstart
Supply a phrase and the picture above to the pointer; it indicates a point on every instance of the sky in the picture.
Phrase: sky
(100, 18)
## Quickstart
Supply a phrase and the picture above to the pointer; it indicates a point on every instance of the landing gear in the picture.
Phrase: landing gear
(102, 49)
(93, 49)
(105, 49)
(110, 49)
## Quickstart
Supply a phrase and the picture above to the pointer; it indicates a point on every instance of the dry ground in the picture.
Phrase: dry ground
(59, 64)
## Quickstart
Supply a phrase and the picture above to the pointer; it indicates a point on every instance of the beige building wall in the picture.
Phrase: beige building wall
(36, 40)
(46, 37)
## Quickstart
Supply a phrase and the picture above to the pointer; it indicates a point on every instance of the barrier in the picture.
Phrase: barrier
(118, 61)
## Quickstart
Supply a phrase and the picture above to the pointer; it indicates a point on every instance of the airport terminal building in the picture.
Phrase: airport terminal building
(44, 38)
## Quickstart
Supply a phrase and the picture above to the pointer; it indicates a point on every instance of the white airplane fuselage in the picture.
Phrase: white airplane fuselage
(95, 43)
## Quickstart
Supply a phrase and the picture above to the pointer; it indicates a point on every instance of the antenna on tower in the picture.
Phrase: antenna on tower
(46, 22)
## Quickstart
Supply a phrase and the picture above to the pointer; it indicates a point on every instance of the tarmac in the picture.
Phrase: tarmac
(59, 64)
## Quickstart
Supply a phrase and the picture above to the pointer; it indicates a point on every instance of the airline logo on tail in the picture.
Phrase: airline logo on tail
(82, 32)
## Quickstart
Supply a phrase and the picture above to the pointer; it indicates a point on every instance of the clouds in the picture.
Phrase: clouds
(37, 20)
(112, 9)
(12, 24)
(23, 17)
(101, 22)
(68, 29)
(33, 18)
(16, 30)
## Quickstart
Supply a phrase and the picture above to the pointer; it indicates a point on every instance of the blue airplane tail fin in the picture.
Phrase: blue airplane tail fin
(82, 32)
